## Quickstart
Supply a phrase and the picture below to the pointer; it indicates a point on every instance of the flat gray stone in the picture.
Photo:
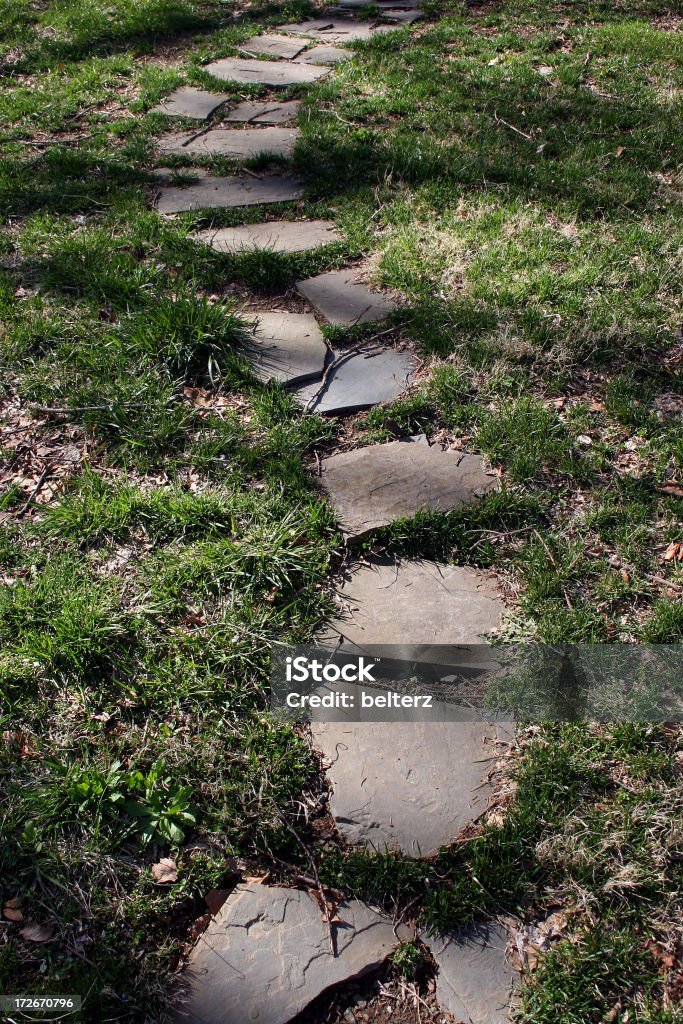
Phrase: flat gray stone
(287, 347)
(335, 30)
(361, 381)
(233, 142)
(190, 102)
(265, 72)
(341, 298)
(411, 786)
(273, 46)
(267, 955)
(278, 236)
(259, 112)
(325, 55)
(406, 5)
(384, 602)
(401, 17)
(234, 191)
(371, 487)
(474, 983)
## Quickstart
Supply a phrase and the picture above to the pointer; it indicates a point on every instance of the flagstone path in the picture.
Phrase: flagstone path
(249, 142)
(371, 487)
(276, 235)
(257, 112)
(234, 191)
(268, 953)
(342, 299)
(464, 959)
(275, 73)
(358, 381)
(288, 347)
(274, 46)
(190, 102)
(407, 785)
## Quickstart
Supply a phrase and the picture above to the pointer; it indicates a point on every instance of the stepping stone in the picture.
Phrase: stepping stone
(234, 142)
(265, 72)
(273, 46)
(325, 55)
(342, 299)
(474, 983)
(335, 30)
(433, 604)
(190, 102)
(277, 236)
(382, 5)
(267, 955)
(234, 191)
(264, 113)
(361, 381)
(371, 487)
(402, 17)
(412, 785)
(287, 347)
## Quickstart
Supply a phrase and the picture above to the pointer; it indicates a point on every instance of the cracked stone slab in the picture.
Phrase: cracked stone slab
(264, 112)
(277, 236)
(341, 298)
(233, 191)
(265, 72)
(267, 955)
(273, 46)
(335, 30)
(361, 381)
(325, 55)
(371, 487)
(287, 347)
(475, 983)
(232, 142)
(190, 102)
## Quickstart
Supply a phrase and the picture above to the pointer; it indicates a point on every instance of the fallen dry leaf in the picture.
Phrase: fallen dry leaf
(33, 931)
(165, 871)
(676, 490)
(11, 911)
(256, 879)
(674, 552)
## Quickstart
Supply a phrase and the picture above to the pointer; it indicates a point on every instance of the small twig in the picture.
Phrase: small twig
(79, 113)
(43, 476)
(252, 174)
(341, 358)
(512, 128)
(664, 582)
(198, 134)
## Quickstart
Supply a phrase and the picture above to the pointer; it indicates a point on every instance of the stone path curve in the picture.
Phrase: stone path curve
(268, 953)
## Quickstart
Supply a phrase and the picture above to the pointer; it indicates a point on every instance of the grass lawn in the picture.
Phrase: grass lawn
(512, 170)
